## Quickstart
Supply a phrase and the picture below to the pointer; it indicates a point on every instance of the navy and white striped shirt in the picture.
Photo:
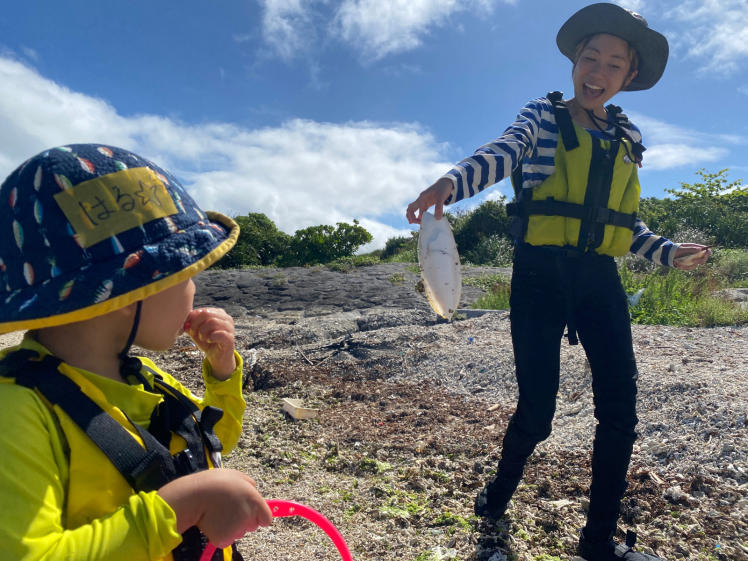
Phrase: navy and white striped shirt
(532, 140)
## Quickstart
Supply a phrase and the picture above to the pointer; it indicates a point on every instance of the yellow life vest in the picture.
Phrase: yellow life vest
(590, 201)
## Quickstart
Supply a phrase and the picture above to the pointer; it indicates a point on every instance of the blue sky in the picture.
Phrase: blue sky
(320, 111)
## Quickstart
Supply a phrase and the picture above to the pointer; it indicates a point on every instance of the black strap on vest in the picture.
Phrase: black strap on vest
(145, 469)
(621, 125)
(563, 120)
(566, 128)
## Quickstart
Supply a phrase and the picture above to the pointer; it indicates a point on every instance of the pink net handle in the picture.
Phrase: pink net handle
(282, 509)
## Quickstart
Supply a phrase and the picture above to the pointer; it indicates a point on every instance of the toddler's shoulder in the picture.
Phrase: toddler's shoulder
(20, 405)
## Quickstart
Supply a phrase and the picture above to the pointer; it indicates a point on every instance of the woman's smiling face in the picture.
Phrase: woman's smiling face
(601, 70)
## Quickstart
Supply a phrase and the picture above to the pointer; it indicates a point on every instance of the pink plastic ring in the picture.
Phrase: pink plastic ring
(282, 509)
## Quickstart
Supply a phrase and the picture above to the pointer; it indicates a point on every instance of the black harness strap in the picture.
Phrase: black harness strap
(563, 119)
(621, 125)
(145, 469)
(552, 207)
(597, 193)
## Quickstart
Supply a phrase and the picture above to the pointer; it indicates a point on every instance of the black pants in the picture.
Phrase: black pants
(549, 288)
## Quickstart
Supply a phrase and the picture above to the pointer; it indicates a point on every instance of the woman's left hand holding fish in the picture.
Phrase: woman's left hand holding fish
(690, 255)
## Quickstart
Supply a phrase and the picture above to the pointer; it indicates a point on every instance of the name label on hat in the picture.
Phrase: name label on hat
(114, 203)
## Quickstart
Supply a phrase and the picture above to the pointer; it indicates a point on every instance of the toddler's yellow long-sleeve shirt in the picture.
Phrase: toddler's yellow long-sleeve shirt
(62, 499)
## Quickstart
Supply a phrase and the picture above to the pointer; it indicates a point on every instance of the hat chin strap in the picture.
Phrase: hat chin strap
(129, 364)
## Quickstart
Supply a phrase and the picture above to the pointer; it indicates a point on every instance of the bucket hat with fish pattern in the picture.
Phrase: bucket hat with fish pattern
(86, 229)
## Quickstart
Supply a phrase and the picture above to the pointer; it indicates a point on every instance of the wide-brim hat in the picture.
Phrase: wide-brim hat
(651, 46)
(86, 229)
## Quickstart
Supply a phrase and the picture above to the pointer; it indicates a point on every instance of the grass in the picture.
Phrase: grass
(688, 298)
(347, 264)
(670, 297)
(497, 291)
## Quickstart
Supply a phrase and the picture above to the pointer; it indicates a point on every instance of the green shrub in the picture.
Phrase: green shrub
(401, 249)
(494, 251)
(714, 207)
(732, 265)
(471, 227)
(324, 244)
(498, 289)
(260, 243)
(347, 264)
(687, 298)
(670, 297)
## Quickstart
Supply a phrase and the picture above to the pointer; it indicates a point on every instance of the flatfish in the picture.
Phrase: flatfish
(440, 265)
(691, 257)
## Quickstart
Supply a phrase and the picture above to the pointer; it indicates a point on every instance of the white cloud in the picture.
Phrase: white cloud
(667, 156)
(375, 28)
(715, 33)
(380, 232)
(287, 25)
(301, 173)
(634, 5)
(382, 27)
(670, 146)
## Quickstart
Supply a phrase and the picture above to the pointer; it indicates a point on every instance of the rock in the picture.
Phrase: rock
(676, 495)
(737, 295)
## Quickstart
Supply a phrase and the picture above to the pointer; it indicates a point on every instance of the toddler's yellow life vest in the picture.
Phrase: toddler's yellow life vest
(590, 201)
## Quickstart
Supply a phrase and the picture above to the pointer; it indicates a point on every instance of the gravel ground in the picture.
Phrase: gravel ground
(412, 411)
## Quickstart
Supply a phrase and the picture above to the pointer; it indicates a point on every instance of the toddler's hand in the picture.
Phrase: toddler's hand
(212, 329)
(224, 503)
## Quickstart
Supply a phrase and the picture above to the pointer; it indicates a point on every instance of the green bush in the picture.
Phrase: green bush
(715, 208)
(401, 249)
(472, 227)
(732, 265)
(324, 244)
(686, 298)
(346, 264)
(670, 297)
(494, 251)
(260, 243)
(497, 288)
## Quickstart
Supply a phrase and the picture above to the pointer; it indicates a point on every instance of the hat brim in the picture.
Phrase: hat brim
(651, 46)
(199, 246)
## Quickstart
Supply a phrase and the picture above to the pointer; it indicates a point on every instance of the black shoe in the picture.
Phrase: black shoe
(608, 550)
(493, 500)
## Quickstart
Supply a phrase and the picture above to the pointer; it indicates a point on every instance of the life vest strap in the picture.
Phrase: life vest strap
(563, 120)
(552, 207)
(145, 469)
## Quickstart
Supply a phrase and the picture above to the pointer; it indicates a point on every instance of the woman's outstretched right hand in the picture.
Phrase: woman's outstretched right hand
(435, 195)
